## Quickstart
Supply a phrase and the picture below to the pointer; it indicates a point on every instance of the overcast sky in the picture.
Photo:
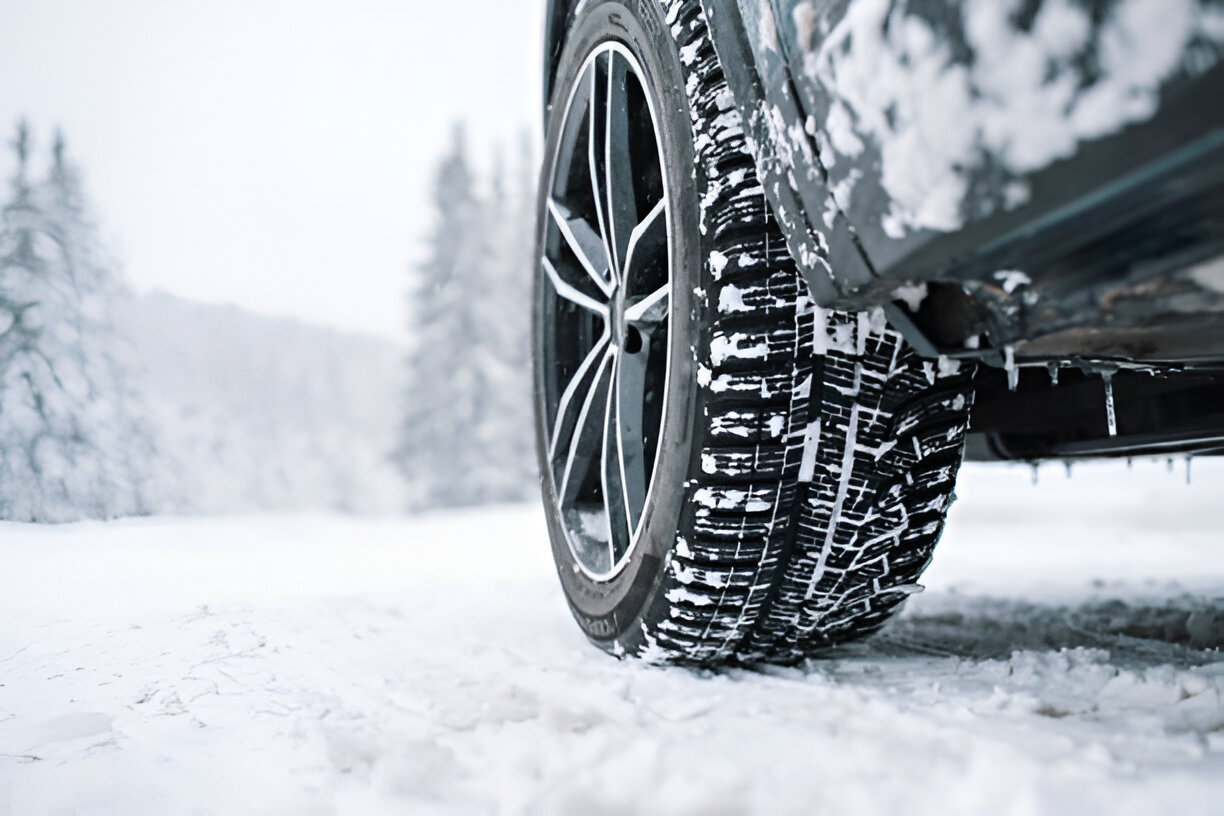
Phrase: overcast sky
(275, 154)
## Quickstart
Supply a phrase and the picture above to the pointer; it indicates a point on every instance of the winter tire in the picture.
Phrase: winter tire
(730, 474)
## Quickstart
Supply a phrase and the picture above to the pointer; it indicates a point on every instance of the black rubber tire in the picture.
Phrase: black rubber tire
(808, 456)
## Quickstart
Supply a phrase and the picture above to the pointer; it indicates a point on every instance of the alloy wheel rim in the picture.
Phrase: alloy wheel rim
(605, 304)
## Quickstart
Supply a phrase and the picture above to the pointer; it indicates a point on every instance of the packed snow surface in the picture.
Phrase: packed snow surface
(1064, 659)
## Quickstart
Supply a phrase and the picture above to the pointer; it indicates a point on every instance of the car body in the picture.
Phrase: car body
(1036, 186)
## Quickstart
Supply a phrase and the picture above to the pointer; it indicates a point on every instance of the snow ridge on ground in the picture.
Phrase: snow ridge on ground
(1065, 658)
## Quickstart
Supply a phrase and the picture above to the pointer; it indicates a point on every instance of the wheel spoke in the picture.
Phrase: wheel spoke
(648, 312)
(615, 492)
(574, 396)
(586, 245)
(574, 132)
(621, 203)
(586, 440)
(649, 234)
(629, 398)
(571, 292)
(596, 154)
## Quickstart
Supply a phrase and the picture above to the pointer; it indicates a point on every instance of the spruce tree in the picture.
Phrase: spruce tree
(116, 428)
(446, 387)
(502, 317)
(467, 435)
(66, 436)
(512, 226)
(520, 275)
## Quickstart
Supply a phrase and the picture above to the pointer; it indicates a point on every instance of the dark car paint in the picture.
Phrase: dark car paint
(1117, 220)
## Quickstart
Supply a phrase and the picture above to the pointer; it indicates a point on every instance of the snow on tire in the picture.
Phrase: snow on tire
(805, 459)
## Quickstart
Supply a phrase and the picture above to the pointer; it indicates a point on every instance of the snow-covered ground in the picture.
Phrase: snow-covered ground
(1065, 659)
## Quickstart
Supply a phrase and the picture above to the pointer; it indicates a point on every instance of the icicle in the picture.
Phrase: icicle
(1067, 465)
(1130, 463)
(1189, 459)
(1009, 363)
(1035, 466)
(1053, 367)
(1111, 413)
(1169, 463)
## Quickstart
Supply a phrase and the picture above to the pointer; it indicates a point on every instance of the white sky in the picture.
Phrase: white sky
(276, 154)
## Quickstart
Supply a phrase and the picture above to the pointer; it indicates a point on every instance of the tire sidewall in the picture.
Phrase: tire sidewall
(609, 611)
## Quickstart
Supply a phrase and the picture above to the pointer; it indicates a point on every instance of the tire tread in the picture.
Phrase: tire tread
(770, 565)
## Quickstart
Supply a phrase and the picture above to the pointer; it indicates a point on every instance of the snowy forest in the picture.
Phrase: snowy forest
(115, 403)
(466, 437)
(72, 442)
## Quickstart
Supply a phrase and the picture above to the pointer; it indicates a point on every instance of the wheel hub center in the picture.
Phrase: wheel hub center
(625, 336)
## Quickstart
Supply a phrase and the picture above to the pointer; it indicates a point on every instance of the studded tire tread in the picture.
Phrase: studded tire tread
(828, 449)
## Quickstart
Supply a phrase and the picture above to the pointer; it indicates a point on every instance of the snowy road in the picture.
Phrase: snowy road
(1065, 659)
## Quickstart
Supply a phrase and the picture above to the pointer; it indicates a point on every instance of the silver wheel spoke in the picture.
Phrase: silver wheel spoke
(652, 229)
(615, 491)
(586, 245)
(596, 115)
(629, 398)
(574, 396)
(571, 293)
(649, 311)
(586, 442)
(621, 212)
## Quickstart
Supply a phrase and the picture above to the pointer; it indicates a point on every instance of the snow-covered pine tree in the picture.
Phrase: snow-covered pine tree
(505, 316)
(467, 435)
(117, 428)
(446, 389)
(520, 275)
(69, 448)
